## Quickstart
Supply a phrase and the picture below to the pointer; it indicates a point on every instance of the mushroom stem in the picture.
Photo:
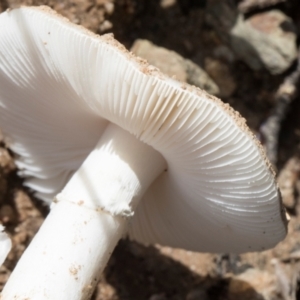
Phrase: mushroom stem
(86, 221)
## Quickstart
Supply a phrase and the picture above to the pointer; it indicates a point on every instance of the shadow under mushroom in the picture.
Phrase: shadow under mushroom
(139, 272)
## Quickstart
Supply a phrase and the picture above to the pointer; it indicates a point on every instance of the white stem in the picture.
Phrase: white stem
(71, 249)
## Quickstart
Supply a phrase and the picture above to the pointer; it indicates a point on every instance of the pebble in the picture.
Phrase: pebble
(106, 25)
(246, 6)
(267, 40)
(109, 7)
(264, 40)
(174, 65)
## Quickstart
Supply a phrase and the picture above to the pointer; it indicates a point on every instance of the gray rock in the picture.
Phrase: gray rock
(246, 6)
(262, 40)
(174, 65)
(265, 40)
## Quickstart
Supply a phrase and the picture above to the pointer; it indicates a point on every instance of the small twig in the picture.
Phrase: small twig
(285, 95)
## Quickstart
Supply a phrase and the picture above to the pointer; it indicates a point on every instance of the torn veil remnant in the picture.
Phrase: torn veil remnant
(116, 138)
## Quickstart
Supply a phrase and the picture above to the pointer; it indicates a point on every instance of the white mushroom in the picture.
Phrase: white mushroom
(183, 163)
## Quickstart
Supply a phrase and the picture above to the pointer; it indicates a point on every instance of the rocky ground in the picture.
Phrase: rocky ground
(242, 51)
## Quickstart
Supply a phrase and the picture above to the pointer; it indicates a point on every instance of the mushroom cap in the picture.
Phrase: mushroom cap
(60, 85)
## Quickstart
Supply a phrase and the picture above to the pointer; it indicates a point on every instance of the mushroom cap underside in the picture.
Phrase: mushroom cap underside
(60, 85)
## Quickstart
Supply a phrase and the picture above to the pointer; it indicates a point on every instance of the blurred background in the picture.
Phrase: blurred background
(245, 52)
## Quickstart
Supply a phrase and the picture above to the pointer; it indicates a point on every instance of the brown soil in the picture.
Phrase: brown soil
(157, 273)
